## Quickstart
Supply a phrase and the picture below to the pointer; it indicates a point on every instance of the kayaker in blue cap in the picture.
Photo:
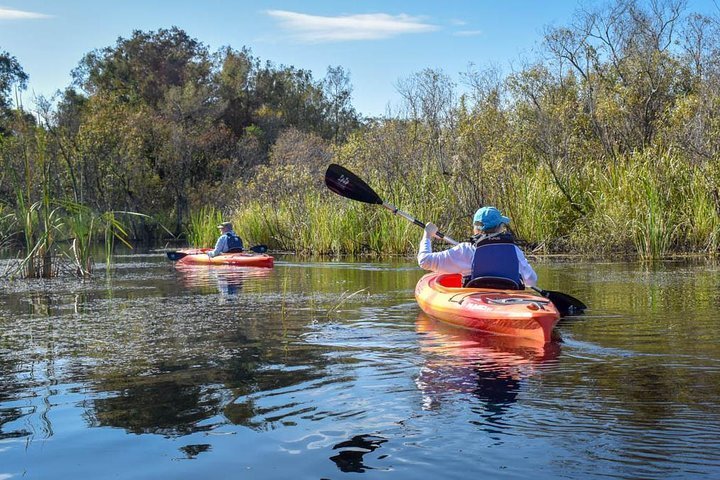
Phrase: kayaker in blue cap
(228, 241)
(489, 259)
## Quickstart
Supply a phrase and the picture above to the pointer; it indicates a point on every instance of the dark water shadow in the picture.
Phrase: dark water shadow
(192, 451)
(350, 458)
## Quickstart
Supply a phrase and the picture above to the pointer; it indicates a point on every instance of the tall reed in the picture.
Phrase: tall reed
(202, 229)
(702, 225)
(39, 219)
(85, 227)
(652, 232)
(648, 204)
(56, 234)
(8, 226)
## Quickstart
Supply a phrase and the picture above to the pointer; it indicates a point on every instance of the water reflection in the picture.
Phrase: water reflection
(488, 367)
(160, 407)
(228, 279)
(350, 458)
(127, 375)
(192, 451)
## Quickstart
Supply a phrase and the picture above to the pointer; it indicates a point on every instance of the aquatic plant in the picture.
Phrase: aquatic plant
(202, 230)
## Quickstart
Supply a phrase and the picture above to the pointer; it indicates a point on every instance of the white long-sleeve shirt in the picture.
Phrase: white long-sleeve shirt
(459, 259)
(221, 246)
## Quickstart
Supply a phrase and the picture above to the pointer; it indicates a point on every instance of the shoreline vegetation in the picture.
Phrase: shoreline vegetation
(606, 145)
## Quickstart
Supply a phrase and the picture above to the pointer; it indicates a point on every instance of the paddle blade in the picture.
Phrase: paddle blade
(566, 304)
(175, 256)
(346, 184)
(259, 248)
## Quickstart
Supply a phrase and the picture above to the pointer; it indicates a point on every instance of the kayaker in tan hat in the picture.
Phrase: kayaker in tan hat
(490, 254)
(228, 241)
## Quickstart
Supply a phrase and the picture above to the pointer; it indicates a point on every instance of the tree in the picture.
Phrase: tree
(145, 66)
(11, 75)
(630, 75)
(236, 87)
(339, 110)
(429, 97)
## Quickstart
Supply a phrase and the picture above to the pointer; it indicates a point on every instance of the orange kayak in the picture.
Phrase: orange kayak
(504, 312)
(198, 256)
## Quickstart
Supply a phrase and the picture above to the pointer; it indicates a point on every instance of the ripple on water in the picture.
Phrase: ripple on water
(321, 369)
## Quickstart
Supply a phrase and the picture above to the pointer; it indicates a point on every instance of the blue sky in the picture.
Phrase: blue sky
(377, 42)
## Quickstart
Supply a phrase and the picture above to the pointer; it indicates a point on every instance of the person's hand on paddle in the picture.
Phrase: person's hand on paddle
(430, 230)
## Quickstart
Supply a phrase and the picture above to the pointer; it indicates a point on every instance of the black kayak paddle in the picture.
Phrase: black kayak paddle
(346, 184)
(566, 304)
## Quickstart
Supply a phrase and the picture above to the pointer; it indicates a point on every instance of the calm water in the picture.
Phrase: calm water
(326, 369)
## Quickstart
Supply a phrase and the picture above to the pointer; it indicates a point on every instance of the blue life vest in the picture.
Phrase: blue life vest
(234, 243)
(496, 257)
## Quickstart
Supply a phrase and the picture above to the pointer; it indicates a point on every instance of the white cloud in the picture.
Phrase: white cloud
(374, 26)
(12, 14)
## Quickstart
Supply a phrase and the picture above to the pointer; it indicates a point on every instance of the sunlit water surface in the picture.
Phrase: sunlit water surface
(327, 369)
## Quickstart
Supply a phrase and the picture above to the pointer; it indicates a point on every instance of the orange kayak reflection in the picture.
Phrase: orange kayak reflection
(228, 279)
(490, 367)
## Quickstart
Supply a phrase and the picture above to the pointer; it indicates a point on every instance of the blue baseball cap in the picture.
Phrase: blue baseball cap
(488, 218)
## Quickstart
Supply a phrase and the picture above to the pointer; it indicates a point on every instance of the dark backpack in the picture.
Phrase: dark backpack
(234, 243)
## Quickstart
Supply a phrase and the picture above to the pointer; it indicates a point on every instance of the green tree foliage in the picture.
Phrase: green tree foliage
(163, 125)
(11, 75)
(144, 67)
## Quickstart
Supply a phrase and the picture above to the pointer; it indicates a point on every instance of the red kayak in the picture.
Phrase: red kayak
(198, 256)
(504, 312)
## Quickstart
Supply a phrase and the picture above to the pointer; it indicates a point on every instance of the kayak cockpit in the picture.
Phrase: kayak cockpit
(450, 280)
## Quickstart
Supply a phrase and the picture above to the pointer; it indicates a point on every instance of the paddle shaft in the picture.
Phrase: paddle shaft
(345, 183)
(419, 223)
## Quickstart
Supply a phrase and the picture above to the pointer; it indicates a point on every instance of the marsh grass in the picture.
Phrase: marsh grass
(252, 224)
(318, 221)
(57, 234)
(651, 228)
(59, 237)
(702, 227)
(649, 204)
(202, 228)
(538, 212)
